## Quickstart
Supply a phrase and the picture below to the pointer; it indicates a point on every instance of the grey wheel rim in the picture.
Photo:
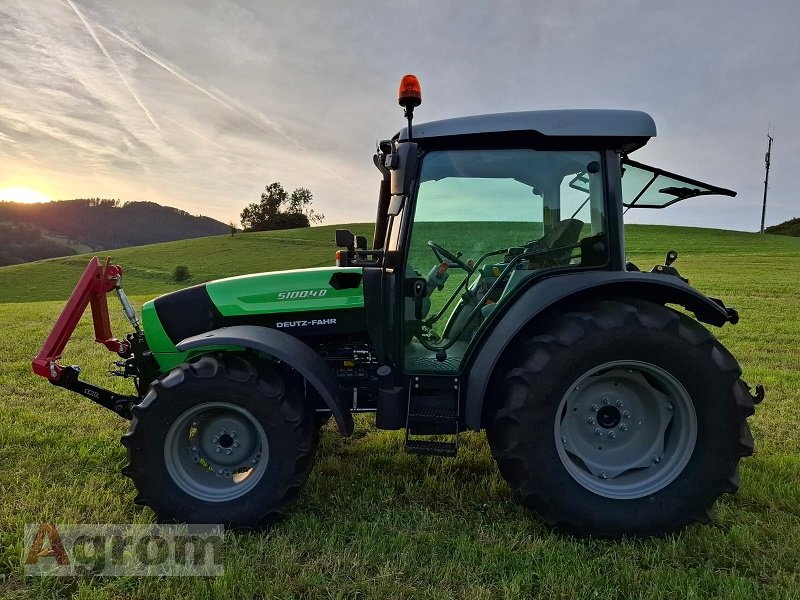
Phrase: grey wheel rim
(625, 429)
(216, 451)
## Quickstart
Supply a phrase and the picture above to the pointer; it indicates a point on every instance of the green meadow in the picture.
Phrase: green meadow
(374, 522)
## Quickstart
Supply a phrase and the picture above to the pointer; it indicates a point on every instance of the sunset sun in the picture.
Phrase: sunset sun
(23, 194)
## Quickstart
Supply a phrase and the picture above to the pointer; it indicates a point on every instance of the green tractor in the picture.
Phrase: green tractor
(496, 295)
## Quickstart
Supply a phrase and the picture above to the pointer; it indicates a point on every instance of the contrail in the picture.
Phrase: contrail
(197, 133)
(112, 61)
(257, 119)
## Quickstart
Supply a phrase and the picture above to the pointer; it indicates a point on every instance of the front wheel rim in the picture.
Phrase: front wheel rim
(625, 429)
(216, 451)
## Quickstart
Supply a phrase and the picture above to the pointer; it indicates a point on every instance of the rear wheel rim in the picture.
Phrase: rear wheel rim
(625, 429)
(216, 451)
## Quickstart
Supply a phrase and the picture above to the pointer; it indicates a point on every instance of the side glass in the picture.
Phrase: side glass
(484, 221)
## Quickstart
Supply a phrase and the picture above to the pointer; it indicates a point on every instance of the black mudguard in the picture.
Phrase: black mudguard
(287, 349)
(563, 290)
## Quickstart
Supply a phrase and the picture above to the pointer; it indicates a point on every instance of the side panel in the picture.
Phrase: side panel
(563, 289)
(313, 303)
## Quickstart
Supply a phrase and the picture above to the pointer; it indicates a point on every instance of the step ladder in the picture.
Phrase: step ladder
(432, 422)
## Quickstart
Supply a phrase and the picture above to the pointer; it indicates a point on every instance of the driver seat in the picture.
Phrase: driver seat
(565, 233)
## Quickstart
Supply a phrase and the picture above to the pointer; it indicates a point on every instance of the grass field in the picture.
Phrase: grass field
(374, 522)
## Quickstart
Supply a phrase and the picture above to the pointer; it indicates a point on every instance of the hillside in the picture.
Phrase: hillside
(149, 269)
(790, 227)
(64, 227)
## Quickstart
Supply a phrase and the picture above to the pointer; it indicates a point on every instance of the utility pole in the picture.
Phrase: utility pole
(766, 180)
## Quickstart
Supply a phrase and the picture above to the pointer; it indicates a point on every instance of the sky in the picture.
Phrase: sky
(199, 105)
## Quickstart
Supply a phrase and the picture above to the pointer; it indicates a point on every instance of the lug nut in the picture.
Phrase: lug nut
(217, 449)
(215, 440)
(598, 432)
(611, 434)
(618, 403)
(595, 408)
(626, 414)
(623, 427)
(228, 451)
(591, 421)
(233, 434)
(236, 444)
(605, 399)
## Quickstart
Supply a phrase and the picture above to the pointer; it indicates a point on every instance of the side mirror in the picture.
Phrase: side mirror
(345, 238)
(361, 242)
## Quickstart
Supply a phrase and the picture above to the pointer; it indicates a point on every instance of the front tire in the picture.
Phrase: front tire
(627, 418)
(220, 440)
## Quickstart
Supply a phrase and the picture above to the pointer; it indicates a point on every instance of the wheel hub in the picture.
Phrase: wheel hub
(226, 440)
(625, 429)
(608, 417)
(216, 451)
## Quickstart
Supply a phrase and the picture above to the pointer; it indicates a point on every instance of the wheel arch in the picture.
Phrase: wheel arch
(288, 350)
(559, 292)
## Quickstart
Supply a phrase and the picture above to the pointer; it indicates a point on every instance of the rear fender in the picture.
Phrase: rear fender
(560, 291)
(288, 350)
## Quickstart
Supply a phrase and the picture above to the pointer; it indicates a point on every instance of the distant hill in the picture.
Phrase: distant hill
(64, 227)
(790, 227)
(150, 270)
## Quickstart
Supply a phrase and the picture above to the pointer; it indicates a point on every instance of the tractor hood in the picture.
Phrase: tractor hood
(305, 303)
(328, 288)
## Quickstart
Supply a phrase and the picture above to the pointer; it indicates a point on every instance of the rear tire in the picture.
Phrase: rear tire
(220, 440)
(627, 418)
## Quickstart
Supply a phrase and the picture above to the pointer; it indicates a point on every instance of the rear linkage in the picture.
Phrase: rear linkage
(97, 281)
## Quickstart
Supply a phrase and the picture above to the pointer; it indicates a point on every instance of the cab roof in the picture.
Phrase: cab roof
(632, 128)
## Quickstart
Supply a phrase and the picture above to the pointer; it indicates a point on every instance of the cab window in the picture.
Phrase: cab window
(483, 221)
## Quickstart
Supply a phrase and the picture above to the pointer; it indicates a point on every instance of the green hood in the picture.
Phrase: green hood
(303, 302)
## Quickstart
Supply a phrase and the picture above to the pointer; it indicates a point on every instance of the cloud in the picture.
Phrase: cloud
(199, 105)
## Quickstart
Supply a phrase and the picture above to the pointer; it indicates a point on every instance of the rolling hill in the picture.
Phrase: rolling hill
(149, 269)
(64, 227)
(790, 227)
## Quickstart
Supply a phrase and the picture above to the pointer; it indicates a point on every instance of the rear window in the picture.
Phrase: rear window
(650, 187)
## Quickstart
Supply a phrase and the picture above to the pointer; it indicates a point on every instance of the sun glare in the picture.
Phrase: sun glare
(23, 194)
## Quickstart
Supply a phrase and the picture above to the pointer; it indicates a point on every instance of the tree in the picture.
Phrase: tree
(300, 203)
(279, 210)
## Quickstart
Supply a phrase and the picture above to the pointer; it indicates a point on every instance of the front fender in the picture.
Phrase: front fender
(287, 349)
(561, 290)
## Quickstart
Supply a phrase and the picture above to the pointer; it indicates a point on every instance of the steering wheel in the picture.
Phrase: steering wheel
(452, 260)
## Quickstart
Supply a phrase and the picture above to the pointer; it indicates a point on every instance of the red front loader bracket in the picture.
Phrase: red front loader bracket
(97, 280)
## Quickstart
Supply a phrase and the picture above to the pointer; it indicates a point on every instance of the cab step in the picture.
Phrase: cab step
(427, 448)
(433, 414)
